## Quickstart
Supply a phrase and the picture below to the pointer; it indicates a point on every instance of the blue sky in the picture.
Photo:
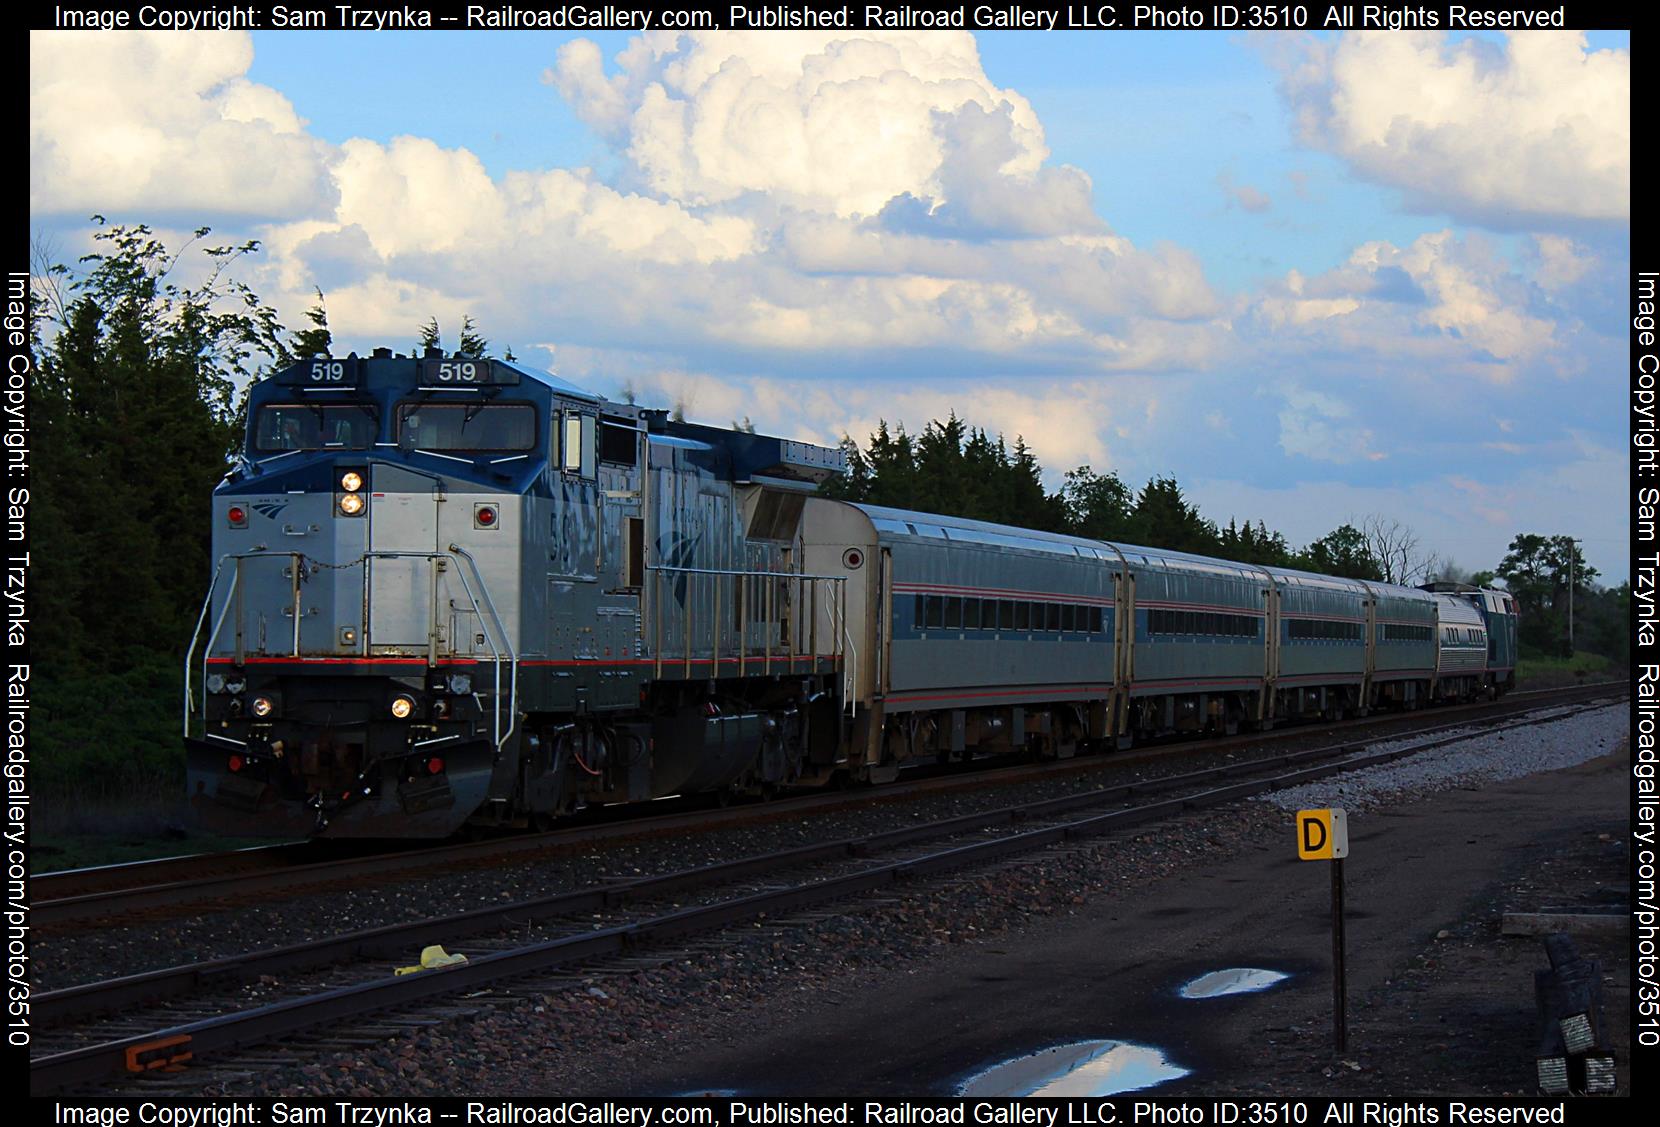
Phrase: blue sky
(1313, 277)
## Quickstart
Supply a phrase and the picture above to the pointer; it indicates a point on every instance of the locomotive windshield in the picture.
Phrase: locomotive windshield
(315, 426)
(460, 426)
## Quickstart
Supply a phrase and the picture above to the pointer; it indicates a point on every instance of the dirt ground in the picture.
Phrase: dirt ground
(1440, 1002)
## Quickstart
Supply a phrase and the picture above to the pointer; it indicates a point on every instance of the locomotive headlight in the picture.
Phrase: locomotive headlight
(216, 683)
(461, 683)
(262, 707)
(351, 481)
(403, 707)
(351, 504)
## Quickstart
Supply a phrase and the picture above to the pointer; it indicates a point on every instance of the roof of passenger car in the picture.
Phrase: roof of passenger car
(903, 522)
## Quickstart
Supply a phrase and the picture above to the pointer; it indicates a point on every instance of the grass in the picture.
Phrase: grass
(1536, 671)
(54, 852)
(74, 833)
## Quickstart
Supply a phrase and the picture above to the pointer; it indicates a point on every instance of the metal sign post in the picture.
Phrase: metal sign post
(1339, 987)
(1323, 835)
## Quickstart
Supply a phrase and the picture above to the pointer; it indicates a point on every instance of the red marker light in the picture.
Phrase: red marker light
(487, 517)
(237, 515)
(235, 764)
(435, 765)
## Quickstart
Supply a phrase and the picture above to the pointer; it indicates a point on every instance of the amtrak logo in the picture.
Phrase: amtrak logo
(270, 508)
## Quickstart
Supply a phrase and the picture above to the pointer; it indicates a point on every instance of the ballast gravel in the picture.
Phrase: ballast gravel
(68, 959)
(570, 1035)
(1550, 741)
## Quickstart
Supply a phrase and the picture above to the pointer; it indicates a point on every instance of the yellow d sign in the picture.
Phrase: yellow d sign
(1322, 835)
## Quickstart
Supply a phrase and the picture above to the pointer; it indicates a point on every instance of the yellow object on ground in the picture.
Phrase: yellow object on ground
(432, 958)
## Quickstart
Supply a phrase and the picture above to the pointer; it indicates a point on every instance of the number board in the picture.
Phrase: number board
(323, 371)
(462, 372)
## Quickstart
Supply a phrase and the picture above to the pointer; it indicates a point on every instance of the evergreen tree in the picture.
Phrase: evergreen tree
(472, 346)
(137, 411)
(893, 472)
(853, 484)
(315, 341)
(940, 485)
(1163, 519)
(430, 337)
(1029, 506)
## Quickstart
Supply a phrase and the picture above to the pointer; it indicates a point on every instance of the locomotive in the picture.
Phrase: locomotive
(452, 591)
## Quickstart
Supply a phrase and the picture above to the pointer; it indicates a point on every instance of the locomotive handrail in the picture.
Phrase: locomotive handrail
(219, 623)
(506, 641)
(500, 737)
(850, 668)
(807, 607)
(296, 563)
(195, 635)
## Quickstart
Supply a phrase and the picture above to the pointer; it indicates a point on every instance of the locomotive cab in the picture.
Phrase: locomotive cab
(357, 644)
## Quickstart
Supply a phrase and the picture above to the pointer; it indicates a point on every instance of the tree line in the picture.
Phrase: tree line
(956, 469)
(139, 406)
(959, 470)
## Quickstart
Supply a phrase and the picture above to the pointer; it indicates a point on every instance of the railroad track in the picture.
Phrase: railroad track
(112, 895)
(210, 1009)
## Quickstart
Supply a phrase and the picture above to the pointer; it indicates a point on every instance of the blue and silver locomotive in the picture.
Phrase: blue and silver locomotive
(454, 591)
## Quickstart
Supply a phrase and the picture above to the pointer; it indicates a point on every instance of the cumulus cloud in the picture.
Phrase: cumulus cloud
(977, 198)
(1442, 299)
(1531, 134)
(827, 122)
(1068, 422)
(165, 123)
(783, 199)
(794, 196)
(816, 232)
(1562, 262)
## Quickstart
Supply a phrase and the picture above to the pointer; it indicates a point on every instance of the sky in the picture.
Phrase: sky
(1313, 277)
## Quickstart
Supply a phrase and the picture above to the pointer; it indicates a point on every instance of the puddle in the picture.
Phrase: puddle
(1083, 1068)
(1235, 980)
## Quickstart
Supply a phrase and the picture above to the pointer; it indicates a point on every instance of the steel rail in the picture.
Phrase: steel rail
(106, 905)
(232, 1030)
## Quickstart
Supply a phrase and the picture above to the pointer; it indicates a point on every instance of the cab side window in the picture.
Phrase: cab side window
(578, 442)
